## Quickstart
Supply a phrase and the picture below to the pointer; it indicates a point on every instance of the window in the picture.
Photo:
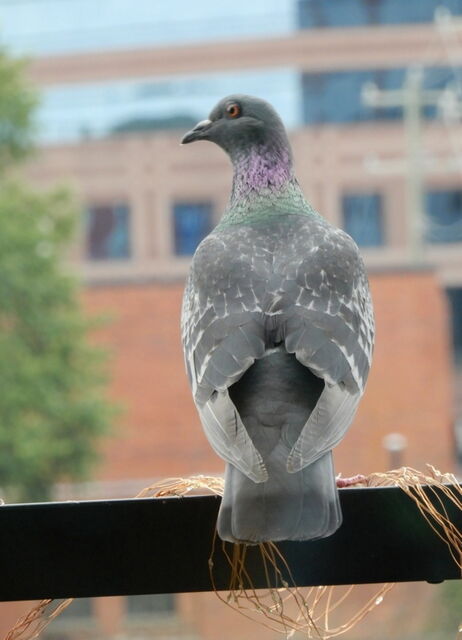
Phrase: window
(337, 96)
(150, 605)
(55, 27)
(354, 13)
(362, 218)
(455, 307)
(97, 109)
(108, 232)
(191, 222)
(443, 222)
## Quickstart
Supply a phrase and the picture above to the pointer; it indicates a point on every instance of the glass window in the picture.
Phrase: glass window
(397, 11)
(108, 232)
(336, 96)
(354, 13)
(455, 307)
(443, 222)
(191, 222)
(149, 605)
(330, 13)
(72, 112)
(50, 27)
(362, 218)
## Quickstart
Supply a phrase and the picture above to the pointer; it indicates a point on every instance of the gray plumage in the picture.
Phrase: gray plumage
(278, 331)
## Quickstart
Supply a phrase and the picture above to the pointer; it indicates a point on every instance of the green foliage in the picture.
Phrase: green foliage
(17, 103)
(52, 405)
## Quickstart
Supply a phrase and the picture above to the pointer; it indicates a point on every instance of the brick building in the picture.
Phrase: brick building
(146, 203)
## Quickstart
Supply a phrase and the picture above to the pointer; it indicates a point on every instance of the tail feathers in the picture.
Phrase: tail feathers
(288, 506)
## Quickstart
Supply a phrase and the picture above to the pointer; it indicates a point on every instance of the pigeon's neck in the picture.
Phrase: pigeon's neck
(264, 184)
(259, 168)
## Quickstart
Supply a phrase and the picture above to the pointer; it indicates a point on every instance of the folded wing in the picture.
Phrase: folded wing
(313, 297)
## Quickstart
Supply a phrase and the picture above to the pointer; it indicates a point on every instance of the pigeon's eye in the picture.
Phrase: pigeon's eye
(233, 110)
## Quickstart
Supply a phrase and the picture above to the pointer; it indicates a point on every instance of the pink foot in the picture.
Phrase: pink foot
(348, 482)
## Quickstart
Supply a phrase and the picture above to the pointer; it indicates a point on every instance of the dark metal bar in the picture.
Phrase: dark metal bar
(127, 547)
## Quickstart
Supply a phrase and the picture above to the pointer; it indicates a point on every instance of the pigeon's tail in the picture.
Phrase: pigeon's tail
(288, 506)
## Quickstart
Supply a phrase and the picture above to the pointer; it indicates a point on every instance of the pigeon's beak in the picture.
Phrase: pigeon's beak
(198, 133)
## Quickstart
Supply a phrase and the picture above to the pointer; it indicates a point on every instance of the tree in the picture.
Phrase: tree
(17, 105)
(52, 405)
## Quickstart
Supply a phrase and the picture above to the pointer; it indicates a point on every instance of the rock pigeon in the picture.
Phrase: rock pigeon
(278, 331)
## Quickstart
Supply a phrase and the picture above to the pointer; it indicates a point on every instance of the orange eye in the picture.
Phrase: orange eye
(233, 110)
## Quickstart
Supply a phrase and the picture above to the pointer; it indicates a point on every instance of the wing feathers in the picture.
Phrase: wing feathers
(295, 280)
(220, 363)
(228, 436)
(325, 427)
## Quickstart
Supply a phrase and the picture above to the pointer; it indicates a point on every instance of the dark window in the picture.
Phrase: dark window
(443, 216)
(455, 310)
(337, 96)
(151, 605)
(108, 232)
(354, 13)
(362, 218)
(192, 222)
(455, 307)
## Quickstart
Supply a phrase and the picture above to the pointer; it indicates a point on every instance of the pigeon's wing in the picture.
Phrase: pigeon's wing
(223, 334)
(229, 437)
(330, 329)
(325, 427)
(312, 293)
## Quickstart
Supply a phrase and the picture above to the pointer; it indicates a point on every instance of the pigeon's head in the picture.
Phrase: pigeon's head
(239, 123)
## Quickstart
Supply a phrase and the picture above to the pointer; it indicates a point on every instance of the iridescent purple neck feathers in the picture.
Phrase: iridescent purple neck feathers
(259, 169)
(264, 186)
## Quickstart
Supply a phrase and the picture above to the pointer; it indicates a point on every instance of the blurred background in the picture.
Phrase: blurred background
(101, 211)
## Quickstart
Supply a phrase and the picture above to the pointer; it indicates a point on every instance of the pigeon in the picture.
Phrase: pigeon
(278, 330)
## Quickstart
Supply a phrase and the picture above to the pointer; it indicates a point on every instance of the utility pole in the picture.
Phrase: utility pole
(412, 98)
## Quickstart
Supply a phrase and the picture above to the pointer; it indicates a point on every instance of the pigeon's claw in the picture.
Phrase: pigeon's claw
(349, 482)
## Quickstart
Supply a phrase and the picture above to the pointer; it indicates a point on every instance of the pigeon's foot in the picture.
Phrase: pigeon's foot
(349, 482)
